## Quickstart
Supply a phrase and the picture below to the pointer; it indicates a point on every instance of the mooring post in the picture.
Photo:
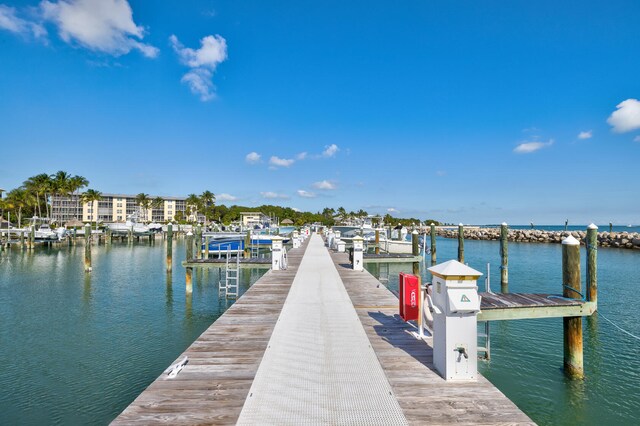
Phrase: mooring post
(461, 243)
(432, 232)
(198, 242)
(610, 227)
(377, 241)
(169, 247)
(130, 235)
(573, 360)
(415, 250)
(206, 247)
(247, 245)
(22, 240)
(592, 264)
(504, 258)
(107, 238)
(32, 237)
(189, 258)
(87, 248)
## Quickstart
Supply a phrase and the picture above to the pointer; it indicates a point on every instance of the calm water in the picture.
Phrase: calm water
(527, 355)
(76, 348)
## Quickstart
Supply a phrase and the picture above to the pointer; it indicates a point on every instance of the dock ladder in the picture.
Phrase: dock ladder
(383, 273)
(229, 287)
(487, 327)
(255, 248)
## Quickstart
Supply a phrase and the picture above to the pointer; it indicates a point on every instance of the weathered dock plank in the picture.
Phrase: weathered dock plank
(510, 306)
(423, 395)
(223, 361)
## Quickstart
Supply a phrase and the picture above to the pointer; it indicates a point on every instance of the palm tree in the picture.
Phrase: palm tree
(207, 199)
(89, 196)
(39, 186)
(143, 201)
(60, 184)
(20, 198)
(157, 203)
(192, 202)
(76, 183)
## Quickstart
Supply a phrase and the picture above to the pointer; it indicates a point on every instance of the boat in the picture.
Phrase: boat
(223, 242)
(42, 229)
(131, 225)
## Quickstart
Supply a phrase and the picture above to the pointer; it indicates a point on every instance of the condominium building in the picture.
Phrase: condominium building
(116, 208)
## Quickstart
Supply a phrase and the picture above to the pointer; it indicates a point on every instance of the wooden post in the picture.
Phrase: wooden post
(169, 247)
(504, 258)
(415, 250)
(573, 361)
(130, 235)
(22, 240)
(377, 241)
(32, 237)
(592, 264)
(189, 257)
(610, 227)
(198, 242)
(461, 243)
(432, 232)
(107, 238)
(87, 248)
(247, 245)
(206, 247)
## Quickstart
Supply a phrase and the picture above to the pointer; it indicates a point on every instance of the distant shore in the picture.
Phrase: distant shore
(627, 240)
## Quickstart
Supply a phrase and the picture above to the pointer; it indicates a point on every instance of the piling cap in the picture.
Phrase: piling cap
(415, 232)
(189, 233)
(592, 226)
(570, 241)
(504, 223)
(460, 224)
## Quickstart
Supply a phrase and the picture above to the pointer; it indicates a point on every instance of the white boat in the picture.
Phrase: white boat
(131, 225)
(42, 230)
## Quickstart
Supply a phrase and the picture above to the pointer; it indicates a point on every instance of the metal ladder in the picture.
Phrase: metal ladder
(255, 248)
(229, 287)
(487, 327)
(383, 273)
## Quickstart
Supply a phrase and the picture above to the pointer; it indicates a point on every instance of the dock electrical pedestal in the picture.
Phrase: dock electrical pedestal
(455, 303)
(358, 253)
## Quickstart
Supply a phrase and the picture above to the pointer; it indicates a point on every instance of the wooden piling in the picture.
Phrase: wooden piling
(504, 258)
(432, 232)
(108, 236)
(461, 243)
(169, 247)
(189, 256)
(87, 248)
(206, 247)
(377, 241)
(32, 238)
(130, 235)
(573, 357)
(592, 263)
(22, 243)
(198, 242)
(415, 250)
(247, 245)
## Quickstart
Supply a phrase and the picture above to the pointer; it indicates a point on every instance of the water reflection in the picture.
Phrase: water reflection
(169, 293)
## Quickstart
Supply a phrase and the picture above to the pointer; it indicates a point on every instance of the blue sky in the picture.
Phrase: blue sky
(462, 111)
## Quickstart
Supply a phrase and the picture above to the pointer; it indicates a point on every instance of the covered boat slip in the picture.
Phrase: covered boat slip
(317, 343)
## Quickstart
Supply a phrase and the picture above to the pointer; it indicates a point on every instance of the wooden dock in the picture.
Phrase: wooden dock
(251, 262)
(510, 306)
(224, 360)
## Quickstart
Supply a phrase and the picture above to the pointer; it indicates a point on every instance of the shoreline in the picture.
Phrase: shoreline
(624, 240)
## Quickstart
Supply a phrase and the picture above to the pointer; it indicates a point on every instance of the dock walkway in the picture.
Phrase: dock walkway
(335, 352)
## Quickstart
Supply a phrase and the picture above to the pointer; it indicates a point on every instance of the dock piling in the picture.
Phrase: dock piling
(573, 356)
(377, 249)
(415, 250)
(504, 258)
(461, 243)
(432, 232)
(87, 248)
(592, 263)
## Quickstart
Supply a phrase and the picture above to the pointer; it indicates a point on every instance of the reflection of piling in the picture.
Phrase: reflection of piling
(460, 243)
(592, 265)
(189, 256)
(415, 250)
(169, 247)
(87, 248)
(504, 258)
(573, 358)
(433, 243)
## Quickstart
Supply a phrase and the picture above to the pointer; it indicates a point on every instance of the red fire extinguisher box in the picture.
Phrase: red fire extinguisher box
(409, 296)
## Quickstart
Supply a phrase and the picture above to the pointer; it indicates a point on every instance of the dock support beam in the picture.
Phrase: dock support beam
(573, 357)
(189, 270)
(592, 264)
(433, 243)
(504, 258)
(461, 243)
(87, 248)
(169, 247)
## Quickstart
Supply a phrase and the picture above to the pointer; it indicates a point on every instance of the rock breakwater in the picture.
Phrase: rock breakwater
(628, 240)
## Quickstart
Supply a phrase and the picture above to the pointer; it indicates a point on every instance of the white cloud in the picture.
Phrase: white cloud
(226, 197)
(203, 63)
(11, 22)
(301, 156)
(280, 162)
(330, 150)
(636, 139)
(274, 195)
(252, 158)
(585, 135)
(529, 147)
(295, 209)
(325, 184)
(102, 25)
(306, 194)
(626, 117)
(391, 209)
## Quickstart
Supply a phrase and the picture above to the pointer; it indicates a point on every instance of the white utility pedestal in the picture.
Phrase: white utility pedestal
(358, 253)
(455, 303)
(341, 245)
(295, 237)
(276, 253)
